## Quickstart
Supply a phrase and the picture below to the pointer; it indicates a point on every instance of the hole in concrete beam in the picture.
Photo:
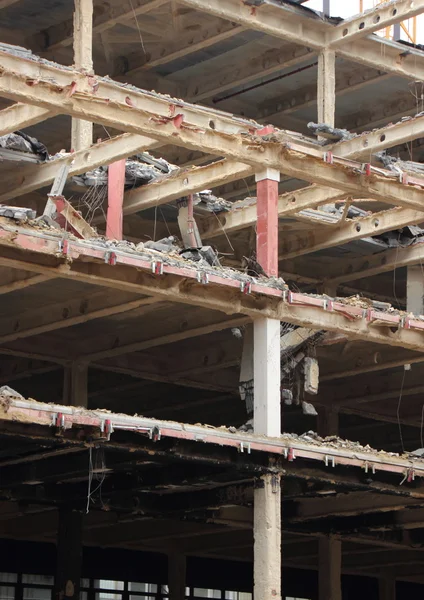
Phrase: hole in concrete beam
(361, 25)
(394, 12)
(358, 227)
(345, 31)
(376, 19)
(382, 138)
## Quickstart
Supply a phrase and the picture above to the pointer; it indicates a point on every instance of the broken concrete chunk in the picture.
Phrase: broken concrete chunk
(309, 409)
(311, 375)
(9, 392)
(166, 245)
(17, 212)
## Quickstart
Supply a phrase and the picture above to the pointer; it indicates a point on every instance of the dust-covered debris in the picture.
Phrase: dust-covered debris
(8, 392)
(17, 213)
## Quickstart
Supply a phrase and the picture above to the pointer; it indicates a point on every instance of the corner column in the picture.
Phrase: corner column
(267, 400)
(82, 131)
(386, 587)
(177, 566)
(415, 289)
(75, 385)
(115, 199)
(69, 555)
(330, 568)
(326, 93)
(267, 220)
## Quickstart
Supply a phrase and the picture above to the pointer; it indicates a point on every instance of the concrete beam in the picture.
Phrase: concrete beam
(143, 118)
(19, 116)
(223, 296)
(347, 231)
(288, 24)
(107, 17)
(370, 21)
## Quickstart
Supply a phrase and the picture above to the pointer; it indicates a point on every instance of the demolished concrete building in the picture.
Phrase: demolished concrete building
(212, 301)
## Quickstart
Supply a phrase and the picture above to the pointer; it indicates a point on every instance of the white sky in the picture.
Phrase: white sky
(348, 8)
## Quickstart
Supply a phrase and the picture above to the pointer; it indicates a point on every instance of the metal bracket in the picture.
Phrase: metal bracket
(154, 434)
(366, 169)
(328, 460)
(111, 258)
(202, 277)
(58, 420)
(329, 157)
(106, 428)
(290, 455)
(367, 466)
(157, 267)
(410, 475)
(64, 247)
(245, 446)
(246, 287)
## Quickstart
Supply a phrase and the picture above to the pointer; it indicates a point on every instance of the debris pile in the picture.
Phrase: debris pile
(20, 142)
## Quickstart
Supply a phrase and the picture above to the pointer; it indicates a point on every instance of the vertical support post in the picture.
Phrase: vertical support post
(397, 32)
(82, 131)
(267, 538)
(326, 9)
(330, 568)
(327, 422)
(326, 93)
(75, 385)
(415, 290)
(69, 555)
(266, 377)
(267, 399)
(177, 565)
(115, 199)
(386, 587)
(267, 220)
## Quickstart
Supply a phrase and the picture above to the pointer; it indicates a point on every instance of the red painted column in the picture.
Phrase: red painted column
(115, 199)
(267, 220)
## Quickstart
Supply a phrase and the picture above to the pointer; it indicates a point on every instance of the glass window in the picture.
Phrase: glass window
(85, 583)
(7, 592)
(8, 577)
(38, 579)
(108, 596)
(108, 584)
(148, 588)
(37, 594)
(204, 593)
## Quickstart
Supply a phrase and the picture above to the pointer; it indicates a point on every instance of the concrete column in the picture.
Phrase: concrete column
(330, 568)
(387, 587)
(82, 131)
(115, 199)
(267, 221)
(176, 576)
(326, 93)
(415, 289)
(75, 385)
(69, 555)
(267, 538)
(267, 377)
(327, 422)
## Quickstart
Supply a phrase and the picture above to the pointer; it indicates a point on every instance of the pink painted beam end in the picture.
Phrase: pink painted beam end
(115, 200)
(267, 220)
